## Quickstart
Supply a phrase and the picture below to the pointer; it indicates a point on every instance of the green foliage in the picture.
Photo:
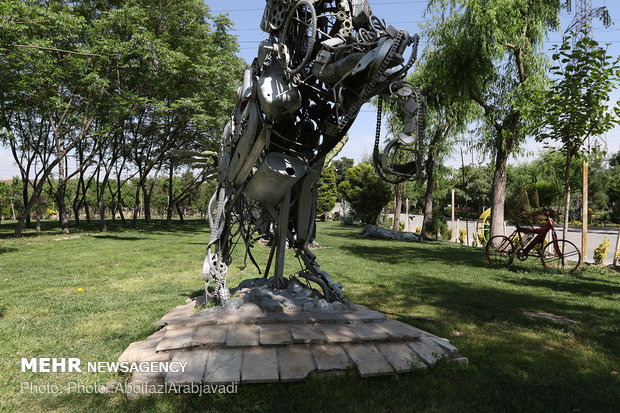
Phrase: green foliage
(327, 191)
(128, 80)
(366, 192)
(491, 52)
(341, 166)
(575, 108)
(547, 194)
(436, 225)
(613, 191)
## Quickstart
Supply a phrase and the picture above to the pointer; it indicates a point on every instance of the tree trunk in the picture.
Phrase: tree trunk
(119, 198)
(136, 207)
(38, 212)
(180, 212)
(85, 201)
(62, 208)
(398, 204)
(499, 193)
(76, 213)
(146, 204)
(170, 193)
(101, 206)
(19, 227)
(25, 184)
(13, 210)
(428, 196)
(567, 190)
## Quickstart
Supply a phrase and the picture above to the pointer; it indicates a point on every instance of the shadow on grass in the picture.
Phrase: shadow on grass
(403, 254)
(593, 286)
(50, 227)
(115, 237)
(5, 250)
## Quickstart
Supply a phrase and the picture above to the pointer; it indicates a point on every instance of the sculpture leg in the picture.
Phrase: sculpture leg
(281, 233)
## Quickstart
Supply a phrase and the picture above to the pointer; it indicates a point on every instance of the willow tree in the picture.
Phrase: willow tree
(491, 52)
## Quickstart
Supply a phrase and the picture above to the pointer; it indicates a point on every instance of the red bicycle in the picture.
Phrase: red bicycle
(558, 255)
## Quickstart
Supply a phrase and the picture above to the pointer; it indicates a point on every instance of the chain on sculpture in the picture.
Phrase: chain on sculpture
(321, 61)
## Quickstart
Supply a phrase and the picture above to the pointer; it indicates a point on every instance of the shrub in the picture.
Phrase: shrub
(474, 241)
(401, 226)
(462, 235)
(418, 230)
(600, 253)
(366, 192)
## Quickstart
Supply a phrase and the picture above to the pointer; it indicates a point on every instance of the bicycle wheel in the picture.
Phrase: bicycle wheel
(299, 35)
(562, 256)
(499, 251)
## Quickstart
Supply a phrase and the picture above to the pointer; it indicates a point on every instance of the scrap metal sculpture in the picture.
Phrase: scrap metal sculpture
(322, 60)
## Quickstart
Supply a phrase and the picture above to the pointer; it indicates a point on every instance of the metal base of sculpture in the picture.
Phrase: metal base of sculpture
(322, 60)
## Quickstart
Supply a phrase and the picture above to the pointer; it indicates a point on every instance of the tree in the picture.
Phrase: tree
(366, 192)
(491, 53)
(327, 190)
(575, 107)
(77, 75)
(341, 166)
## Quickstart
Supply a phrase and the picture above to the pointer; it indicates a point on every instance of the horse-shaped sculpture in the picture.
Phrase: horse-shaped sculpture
(322, 60)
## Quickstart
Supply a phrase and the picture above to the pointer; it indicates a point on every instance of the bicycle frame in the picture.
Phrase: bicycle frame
(541, 234)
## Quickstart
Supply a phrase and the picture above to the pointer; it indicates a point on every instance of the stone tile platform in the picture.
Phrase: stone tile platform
(260, 347)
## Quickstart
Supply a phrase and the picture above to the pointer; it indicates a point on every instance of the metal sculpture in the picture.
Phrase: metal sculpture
(322, 60)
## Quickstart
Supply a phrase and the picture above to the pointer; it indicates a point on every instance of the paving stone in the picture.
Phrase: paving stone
(400, 356)
(359, 316)
(294, 362)
(238, 317)
(196, 361)
(210, 335)
(223, 366)
(260, 365)
(242, 335)
(306, 333)
(369, 331)
(445, 344)
(338, 333)
(176, 339)
(158, 335)
(428, 350)
(138, 351)
(274, 334)
(299, 317)
(177, 315)
(152, 377)
(330, 358)
(399, 331)
(369, 360)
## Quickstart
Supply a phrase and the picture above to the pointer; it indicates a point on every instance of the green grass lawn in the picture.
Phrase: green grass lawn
(130, 278)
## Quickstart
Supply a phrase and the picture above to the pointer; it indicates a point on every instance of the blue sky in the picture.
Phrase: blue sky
(406, 14)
